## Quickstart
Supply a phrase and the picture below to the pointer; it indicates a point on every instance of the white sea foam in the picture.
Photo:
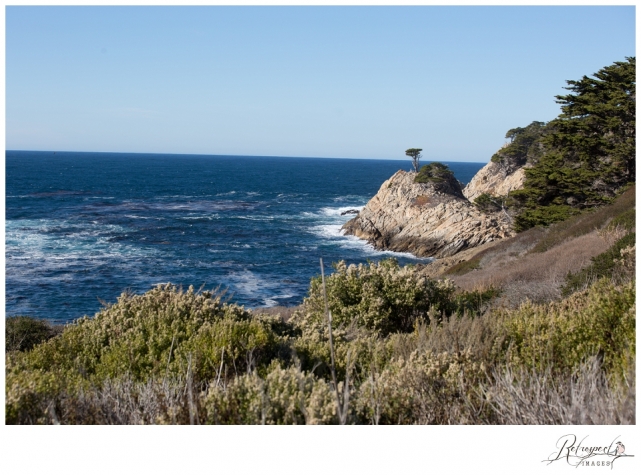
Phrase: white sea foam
(338, 211)
(327, 230)
(335, 234)
(38, 249)
(350, 198)
(205, 216)
(256, 218)
(247, 283)
(273, 300)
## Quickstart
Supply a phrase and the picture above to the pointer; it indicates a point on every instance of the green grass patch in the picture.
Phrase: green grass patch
(465, 266)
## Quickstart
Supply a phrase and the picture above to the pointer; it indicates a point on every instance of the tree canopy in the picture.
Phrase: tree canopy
(415, 154)
(434, 172)
(587, 152)
(524, 147)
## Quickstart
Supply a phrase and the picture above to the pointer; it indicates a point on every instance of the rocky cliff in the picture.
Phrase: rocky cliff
(494, 180)
(426, 219)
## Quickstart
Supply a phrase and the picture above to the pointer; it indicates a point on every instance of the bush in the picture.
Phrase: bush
(563, 335)
(488, 203)
(542, 216)
(285, 396)
(518, 396)
(472, 303)
(382, 297)
(464, 267)
(160, 331)
(163, 333)
(159, 358)
(434, 172)
(23, 333)
(426, 388)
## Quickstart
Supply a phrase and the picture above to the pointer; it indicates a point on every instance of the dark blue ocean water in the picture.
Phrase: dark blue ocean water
(86, 226)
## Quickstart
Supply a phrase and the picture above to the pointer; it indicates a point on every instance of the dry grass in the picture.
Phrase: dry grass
(537, 277)
(514, 247)
(534, 264)
(452, 335)
(611, 234)
(521, 397)
(125, 401)
(285, 313)
(586, 222)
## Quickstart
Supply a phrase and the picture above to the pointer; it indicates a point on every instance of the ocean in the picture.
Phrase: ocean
(81, 228)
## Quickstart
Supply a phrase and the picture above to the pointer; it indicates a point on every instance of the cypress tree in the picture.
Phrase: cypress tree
(589, 149)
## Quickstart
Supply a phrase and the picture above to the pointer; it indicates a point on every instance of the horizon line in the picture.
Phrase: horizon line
(234, 155)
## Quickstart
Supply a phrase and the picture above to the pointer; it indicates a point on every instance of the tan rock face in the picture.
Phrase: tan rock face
(491, 179)
(415, 217)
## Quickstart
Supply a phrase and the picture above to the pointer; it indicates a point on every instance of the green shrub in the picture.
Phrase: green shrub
(434, 172)
(425, 388)
(159, 331)
(603, 265)
(541, 216)
(284, 396)
(382, 297)
(487, 203)
(23, 333)
(28, 393)
(472, 303)
(158, 357)
(562, 335)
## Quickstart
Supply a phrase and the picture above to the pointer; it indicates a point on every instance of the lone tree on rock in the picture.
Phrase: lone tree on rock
(415, 153)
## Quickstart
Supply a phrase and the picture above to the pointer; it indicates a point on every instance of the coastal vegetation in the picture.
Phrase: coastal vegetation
(524, 147)
(584, 157)
(415, 155)
(434, 172)
(408, 349)
(538, 328)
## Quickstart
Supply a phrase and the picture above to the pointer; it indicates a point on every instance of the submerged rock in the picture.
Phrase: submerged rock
(426, 219)
(349, 211)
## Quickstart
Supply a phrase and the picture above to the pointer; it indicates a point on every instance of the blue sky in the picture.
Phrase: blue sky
(353, 82)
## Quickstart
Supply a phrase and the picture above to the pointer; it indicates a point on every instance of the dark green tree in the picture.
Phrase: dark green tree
(525, 146)
(589, 150)
(435, 172)
(415, 154)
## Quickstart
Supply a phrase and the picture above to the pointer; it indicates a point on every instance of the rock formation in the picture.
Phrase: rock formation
(426, 219)
(494, 180)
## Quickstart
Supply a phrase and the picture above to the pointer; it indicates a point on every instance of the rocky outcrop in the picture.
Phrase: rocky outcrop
(426, 219)
(494, 180)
